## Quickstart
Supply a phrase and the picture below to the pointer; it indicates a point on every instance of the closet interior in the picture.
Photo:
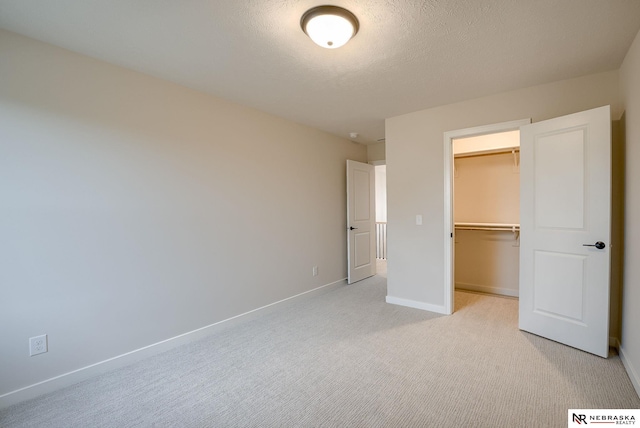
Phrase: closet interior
(486, 213)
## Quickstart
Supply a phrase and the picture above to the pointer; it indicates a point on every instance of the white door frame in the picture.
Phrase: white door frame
(449, 229)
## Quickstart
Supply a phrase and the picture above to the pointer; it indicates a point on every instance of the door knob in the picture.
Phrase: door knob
(352, 228)
(599, 245)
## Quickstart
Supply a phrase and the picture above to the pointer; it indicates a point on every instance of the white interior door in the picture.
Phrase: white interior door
(361, 220)
(565, 203)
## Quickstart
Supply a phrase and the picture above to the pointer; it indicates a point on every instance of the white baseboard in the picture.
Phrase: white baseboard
(416, 304)
(488, 289)
(631, 370)
(84, 373)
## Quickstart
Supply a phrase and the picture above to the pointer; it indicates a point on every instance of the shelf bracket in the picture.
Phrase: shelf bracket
(516, 162)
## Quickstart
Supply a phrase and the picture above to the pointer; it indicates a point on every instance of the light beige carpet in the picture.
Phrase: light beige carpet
(347, 359)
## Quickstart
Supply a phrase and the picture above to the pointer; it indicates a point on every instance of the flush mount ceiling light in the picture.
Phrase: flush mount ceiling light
(329, 26)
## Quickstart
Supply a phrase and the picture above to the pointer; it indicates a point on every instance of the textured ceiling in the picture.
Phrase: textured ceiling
(409, 55)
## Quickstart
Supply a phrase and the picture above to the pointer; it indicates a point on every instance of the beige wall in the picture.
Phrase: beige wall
(487, 261)
(489, 143)
(376, 152)
(487, 190)
(630, 90)
(415, 171)
(135, 210)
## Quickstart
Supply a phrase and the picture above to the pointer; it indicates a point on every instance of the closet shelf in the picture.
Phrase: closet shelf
(491, 151)
(510, 227)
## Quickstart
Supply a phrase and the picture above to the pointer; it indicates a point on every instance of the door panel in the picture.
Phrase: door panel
(362, 194)
(360, 220)
(560, 203)
(362, 242)
(565, 202)
(558, 287)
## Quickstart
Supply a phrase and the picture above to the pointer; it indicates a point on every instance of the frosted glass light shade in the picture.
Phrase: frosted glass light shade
(329, 26)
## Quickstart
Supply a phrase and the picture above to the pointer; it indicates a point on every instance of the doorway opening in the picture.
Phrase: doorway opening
(482, 215)
(366, 220)
(381, 217)
(486, 194)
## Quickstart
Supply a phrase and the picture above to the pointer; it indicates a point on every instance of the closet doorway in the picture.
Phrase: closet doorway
(482, 189)
(486, 207)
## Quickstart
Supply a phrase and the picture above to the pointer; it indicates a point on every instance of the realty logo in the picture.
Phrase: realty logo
(580, 419)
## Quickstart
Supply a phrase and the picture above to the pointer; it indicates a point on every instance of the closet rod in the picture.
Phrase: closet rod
(511, 227)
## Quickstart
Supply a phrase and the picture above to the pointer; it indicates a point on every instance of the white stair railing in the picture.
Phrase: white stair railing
(381, 240)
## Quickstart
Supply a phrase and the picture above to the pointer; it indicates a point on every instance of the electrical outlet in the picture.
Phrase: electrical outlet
(315, 271)
(38, 345)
